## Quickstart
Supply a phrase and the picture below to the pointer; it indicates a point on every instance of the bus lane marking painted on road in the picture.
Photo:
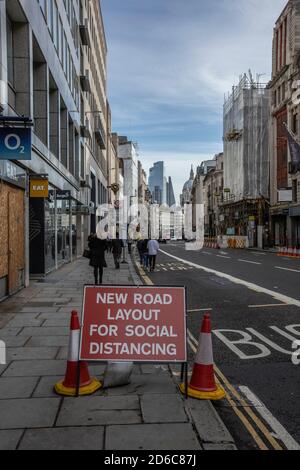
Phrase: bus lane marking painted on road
(288, 269)
(276, 295)
(240, 401)
(280, 432)
(247, 340)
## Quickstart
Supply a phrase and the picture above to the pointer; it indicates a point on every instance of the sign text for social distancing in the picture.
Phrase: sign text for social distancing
(139, 324)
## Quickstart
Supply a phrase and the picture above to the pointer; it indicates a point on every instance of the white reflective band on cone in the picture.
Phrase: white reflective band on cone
(204, 355)
(73, 354)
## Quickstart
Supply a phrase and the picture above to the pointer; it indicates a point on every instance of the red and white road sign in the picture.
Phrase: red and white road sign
(139, 324)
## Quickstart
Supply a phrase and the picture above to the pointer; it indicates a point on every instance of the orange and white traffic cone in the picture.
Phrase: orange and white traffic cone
(203, 385)
(76, 372)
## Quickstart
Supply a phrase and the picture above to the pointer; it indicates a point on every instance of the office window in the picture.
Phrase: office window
(43, 7)
(50, 16)
(55, 25)
(10, 52)
(295, 187)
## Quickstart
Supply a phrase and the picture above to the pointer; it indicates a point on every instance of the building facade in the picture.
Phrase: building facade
(171, 201)
(157, 183)
(285, 108)
(246, 161)
(186, 196)
(213, 186)
(52, 72)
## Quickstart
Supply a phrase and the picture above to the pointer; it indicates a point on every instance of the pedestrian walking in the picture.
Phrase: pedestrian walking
(145, 254)
(153, 249)
(97, 248)
(117, 246)
(129, 244)
(140, 245)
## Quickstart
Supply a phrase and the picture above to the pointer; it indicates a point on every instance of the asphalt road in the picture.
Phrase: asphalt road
(256, 355)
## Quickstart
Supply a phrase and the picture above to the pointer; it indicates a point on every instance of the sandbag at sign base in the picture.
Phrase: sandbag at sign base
(117, 374)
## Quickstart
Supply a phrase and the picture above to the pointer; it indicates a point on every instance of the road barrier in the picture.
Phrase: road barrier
(77, 380)
(235, 242)
(203, 385)
(288, 252)
(211, 242)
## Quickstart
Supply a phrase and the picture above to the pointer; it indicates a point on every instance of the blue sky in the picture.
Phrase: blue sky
(170, 63)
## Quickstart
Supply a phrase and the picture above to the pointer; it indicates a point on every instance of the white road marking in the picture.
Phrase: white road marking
(207, 253)
(280, 432)
(269, 342)
(276, 295)
(245, 339)
(288, 269)
(200, 310)
(283, 333)
(267, 305)
(258, 254)
(246, 261)
(222, 256)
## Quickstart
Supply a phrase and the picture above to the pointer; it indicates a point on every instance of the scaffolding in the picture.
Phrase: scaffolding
(246, 159)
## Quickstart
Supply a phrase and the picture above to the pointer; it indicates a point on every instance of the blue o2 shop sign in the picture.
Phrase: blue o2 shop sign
(15, 143)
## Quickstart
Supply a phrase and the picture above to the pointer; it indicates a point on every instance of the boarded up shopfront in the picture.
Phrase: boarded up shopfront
(12, 259)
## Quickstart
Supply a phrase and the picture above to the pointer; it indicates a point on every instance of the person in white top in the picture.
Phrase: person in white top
(153, 249)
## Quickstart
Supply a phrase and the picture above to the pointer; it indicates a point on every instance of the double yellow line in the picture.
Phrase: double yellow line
(241, 408)
(237, 402)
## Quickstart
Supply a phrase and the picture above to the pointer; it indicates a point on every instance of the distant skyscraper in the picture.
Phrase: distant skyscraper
(157, 183)
(170, 193)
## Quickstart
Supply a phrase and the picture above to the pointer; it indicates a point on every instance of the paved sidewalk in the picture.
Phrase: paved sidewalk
(148, 414)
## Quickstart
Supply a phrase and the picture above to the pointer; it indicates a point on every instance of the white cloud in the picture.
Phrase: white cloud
(172, 61)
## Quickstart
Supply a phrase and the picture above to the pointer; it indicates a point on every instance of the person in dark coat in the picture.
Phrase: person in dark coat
(117, 246)
(140, 247)
(98, 248)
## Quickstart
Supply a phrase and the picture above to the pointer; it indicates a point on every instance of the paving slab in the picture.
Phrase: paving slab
(9, 439)
(99, 410)
(39, 309)
(210, 427)
(28, 413)
(23, 354)
(219, 447)
(82, 438)
(46, 331)
(7, 331)
(63, 353)
(17, 387)
(146, 384)
(40, 341)
(152, 437)
(161, 408)
(154, 369)
(55, 316)
(14, 341)
(19, 321)
(45, 387)
(35, 368)
(61, 322)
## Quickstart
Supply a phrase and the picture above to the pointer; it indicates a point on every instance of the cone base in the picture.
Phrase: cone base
(89, 389)
(217, 394)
